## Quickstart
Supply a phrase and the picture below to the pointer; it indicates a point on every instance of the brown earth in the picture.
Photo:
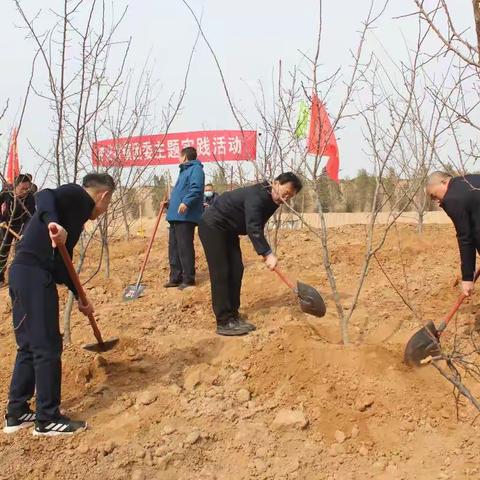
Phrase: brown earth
(175, 401)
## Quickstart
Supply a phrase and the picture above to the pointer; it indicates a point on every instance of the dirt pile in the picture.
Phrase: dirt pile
(175, 401)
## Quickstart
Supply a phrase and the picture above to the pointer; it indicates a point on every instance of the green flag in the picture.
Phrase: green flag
(302, 122)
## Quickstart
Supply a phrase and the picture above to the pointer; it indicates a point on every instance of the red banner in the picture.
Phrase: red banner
(150, 150)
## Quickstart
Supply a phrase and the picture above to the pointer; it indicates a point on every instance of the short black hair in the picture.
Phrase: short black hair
(22, 178)
(189, 152)
(289, 177)
(99, 180)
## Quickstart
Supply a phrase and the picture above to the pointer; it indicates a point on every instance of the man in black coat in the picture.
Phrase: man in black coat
(209, 195)
(17, 206)
(244, 211)
(460, 198)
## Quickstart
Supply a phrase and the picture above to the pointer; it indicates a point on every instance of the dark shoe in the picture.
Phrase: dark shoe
(13, 423)
(243, 321)
(183, 286)
(171, 284)
(232, 328)
(61, 426)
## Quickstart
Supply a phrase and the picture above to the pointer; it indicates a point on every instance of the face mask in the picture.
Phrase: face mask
(209, 194)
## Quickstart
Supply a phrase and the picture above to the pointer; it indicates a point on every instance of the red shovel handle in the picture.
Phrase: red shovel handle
(76, 282)
(150, 243)
(284, 278)
(455, 308)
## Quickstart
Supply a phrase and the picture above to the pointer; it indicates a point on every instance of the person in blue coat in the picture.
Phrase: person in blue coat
(184, 212)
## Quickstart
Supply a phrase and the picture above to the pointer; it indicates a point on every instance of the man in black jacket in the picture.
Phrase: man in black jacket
(33, 276)
(209, 195)
(460, 198)
(16, 208)
(244, 211)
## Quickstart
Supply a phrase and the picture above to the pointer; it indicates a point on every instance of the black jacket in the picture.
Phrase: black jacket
(15, 210)
(462, 205)
(70, 206)
(209, 200)
(244, 211)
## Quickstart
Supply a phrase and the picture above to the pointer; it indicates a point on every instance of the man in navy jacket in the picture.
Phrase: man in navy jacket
(184, 212)
(33, 276)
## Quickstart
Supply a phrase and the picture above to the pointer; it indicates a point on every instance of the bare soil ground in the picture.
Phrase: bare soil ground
(175, 401)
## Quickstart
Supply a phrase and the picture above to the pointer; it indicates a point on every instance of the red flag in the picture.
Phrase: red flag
(13, 168)
(321, 139)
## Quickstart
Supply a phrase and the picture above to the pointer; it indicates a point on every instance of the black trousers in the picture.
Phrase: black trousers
(181, 252)
(224, 258)
(35, 321)
(6, 242)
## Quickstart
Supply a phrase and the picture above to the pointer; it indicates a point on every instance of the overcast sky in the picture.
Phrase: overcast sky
(249, 37)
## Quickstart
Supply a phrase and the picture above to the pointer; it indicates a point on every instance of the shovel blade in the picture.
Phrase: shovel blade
(310, 300)
(102, 347)
(424, 343)
(132, 292)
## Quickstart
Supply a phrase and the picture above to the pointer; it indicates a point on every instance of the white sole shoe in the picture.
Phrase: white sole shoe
(16, 428)
(53, 433)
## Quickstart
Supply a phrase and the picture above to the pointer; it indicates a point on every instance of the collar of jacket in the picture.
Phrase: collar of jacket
(267, 186)
(188, 164)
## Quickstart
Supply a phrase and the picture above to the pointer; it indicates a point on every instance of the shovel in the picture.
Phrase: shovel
(132, 292)
(426, 342)
(101, 345)
(310, 300)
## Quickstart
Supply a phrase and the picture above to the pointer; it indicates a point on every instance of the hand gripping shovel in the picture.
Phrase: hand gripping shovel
(310, 300)
(132, 292)
(101, 346)
(426, 342)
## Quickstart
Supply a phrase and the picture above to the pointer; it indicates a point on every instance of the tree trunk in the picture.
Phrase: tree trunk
(476, 14)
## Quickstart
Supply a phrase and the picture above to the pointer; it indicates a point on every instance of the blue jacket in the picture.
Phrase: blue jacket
(188, 190)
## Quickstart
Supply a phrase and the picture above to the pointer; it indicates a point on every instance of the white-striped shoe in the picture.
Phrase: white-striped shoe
(60, 426)
(15, 423)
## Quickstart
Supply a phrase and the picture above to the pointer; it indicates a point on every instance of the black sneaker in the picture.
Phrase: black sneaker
(15, 423)
(61, 426)
(183, 286)
(171, 284)
(243, 321)
(232, 328)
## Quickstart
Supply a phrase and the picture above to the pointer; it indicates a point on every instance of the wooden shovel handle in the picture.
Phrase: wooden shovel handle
(284, 278)
(78, 286)
(150, 243)
(455, 308)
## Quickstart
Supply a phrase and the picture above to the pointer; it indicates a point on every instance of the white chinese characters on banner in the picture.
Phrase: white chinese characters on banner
(235, 145)
(159, 150)
(173, 148)
(219, 146)
(188, 143)
(203, 146)
(212, 146)
(147, 150)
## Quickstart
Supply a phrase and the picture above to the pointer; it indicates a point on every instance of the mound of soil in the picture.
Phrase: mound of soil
(289, 401)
